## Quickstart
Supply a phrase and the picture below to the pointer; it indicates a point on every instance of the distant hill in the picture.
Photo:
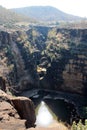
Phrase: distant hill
(46, 13)
(9, 17)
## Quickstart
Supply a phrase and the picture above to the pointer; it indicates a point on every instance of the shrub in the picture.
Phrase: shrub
(79, 125)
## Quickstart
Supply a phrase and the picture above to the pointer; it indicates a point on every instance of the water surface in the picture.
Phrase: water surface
(45, 117)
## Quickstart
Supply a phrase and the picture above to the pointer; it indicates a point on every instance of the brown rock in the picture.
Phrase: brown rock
(25, 109)
(9, 118)
(16, 119)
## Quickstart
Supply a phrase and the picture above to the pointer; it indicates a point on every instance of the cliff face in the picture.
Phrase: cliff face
(68, 71)
(13, 73)
(43, 57)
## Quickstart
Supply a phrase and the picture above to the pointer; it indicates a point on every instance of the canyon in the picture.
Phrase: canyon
(43, 57)
(47, 59)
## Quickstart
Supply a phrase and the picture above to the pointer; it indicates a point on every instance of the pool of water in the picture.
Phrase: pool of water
(44, 115)
(65, 106)
(51, 111)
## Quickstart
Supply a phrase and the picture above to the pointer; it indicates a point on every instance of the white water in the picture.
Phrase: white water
(44, 117)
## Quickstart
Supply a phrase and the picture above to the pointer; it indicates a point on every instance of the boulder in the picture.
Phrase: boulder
(9, 118)
(16, 113)
(25, 109)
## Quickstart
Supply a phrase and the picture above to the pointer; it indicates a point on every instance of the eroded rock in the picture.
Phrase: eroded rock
(25, 108)
(9, 118)
(16, 119)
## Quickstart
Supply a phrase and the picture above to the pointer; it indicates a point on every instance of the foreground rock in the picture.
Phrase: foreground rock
(10, 118)
(25, 108)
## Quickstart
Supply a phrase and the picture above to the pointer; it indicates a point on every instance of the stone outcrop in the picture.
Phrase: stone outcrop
(25, 109)
(11, 118)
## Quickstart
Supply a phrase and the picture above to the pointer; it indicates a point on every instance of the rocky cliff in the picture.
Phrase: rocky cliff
(16, 112)
(13, 74)
(43, 57)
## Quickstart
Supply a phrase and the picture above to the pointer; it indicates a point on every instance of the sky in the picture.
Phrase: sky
(75, 7)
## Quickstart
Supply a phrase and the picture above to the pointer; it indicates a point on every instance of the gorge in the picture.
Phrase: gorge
(46, 63)
(34, 58)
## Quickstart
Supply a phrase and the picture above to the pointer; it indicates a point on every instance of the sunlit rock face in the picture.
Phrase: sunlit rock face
(44, 117)
(9, 117)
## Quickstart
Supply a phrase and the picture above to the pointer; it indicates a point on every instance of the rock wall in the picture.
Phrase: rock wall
(63, 63)
(44, 57)
(25, 109)
(12, 65)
